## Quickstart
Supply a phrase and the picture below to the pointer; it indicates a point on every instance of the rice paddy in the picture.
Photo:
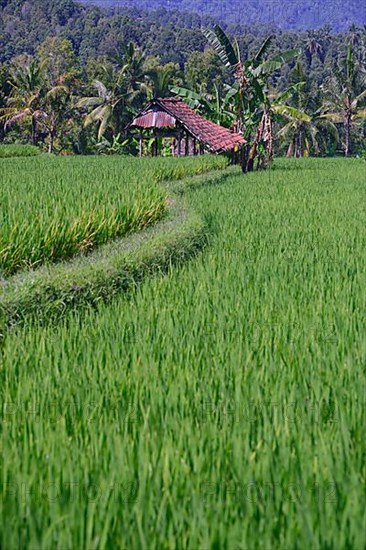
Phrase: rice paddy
(220, 406)
(54, 208)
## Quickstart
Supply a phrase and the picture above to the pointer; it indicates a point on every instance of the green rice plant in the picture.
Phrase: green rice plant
(221, 405)
(54, 208)
(7, 151)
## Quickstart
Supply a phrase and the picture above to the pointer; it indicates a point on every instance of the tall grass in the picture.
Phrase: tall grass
(52, 208)
(7, 151)
(221, 406)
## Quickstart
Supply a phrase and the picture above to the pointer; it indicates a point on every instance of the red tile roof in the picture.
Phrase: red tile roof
(215, 137)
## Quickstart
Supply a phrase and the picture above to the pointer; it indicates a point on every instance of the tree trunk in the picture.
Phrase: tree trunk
(252, 155)
(243, 155)
(52, 135)
(297, 144)
(140, 144)
(270, 141)
(33, 132)
(290, 150)
(301, 143)
(347, 130)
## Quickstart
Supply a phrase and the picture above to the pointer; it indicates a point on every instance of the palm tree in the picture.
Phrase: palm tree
(36, 101)
(57, 104)
(135, 75)
(104, 106)
(108, 106)
(344, 102)
(113, 104)
(24, 104)
(313, 47)
(160, 80)
(5, 90)
(300, 132)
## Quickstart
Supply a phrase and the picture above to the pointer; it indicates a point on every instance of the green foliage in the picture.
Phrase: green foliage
(161, 77)
(203, 71)
(345, 96)
(135, 55)
(217, 107)
(222, 45)
(116, 147)
(40, 98)
(363, 153)
(299, 14)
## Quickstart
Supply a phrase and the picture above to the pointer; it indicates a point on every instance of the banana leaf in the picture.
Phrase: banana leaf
(222, 45)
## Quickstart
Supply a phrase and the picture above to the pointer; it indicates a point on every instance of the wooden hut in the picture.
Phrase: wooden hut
(190, 133)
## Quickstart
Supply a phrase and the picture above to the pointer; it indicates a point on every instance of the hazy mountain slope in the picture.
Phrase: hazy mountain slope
(301, 14)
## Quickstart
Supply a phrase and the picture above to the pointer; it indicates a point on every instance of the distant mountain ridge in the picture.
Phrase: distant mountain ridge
(293, 14)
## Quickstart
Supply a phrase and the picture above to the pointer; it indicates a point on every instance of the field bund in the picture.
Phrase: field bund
(52, 209)
(220, 405)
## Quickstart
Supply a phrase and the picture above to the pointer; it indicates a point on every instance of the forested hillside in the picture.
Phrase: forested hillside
(170, 34)
(58, 59)
(297, 14)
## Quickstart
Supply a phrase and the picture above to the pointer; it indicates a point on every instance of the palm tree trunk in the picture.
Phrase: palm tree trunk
(290, 150)
(50, 143)
(33, 132)
(52, 134)
(301, 143)
(347, 129)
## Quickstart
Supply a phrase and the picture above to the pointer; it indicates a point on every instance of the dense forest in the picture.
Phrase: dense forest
(299, 14)
(72, 76)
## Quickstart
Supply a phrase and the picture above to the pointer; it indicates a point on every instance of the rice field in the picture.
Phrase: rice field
(221, 406)
(54, 208)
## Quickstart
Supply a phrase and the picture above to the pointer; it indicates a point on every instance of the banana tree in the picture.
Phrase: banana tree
(252, 118)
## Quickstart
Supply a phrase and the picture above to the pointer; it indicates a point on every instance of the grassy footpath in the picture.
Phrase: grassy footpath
(219, 406)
